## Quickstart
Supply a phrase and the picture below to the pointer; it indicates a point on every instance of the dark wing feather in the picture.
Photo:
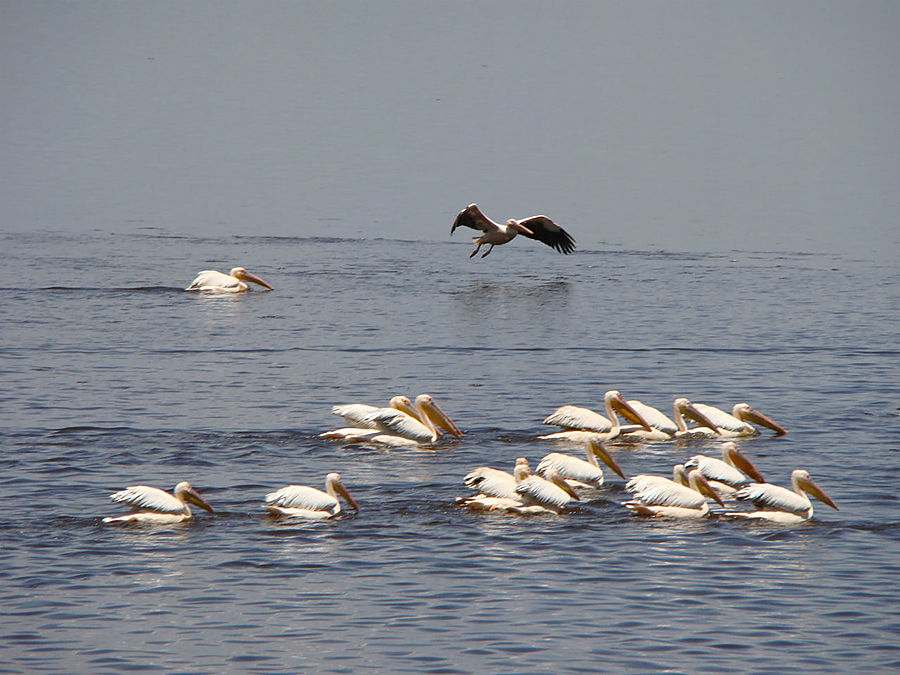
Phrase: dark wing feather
(550, 233)
(471, 216)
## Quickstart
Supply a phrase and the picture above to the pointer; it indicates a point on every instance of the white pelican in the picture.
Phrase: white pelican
(536, 227)
(728, 474)
(578, 472)
(781, 505)
(664, 429)
(738, 423)
(152, 505)
(357, 415)
(658, 496)
(402, 424)
(233, 282)
(582, 424)
(497, 489)
(302, 501)
(549, 493)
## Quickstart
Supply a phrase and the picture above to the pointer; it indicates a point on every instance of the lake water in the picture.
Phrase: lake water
(113, 376)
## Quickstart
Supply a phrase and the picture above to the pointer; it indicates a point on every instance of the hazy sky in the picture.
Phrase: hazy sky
(663, 125)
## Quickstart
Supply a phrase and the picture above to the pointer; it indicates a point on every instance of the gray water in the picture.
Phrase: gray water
(113, 376)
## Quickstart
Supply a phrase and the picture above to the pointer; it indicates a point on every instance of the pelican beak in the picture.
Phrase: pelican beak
(440, 419)
(568, 489)
(621, 406)
(818, 493)
(704, 488)
(745, 465)
(691, 412)
(249, 276)
(519, 227)
(598, 449)
(194, 498)
(342, 491)
(756, 417)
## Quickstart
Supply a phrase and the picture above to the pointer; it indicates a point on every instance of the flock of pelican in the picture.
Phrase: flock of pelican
(559, 482)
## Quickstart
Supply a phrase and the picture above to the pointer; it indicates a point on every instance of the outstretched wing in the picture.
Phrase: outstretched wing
(471, 216)
(545, 230)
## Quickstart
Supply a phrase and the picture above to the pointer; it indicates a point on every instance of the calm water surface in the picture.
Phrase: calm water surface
(113, 376)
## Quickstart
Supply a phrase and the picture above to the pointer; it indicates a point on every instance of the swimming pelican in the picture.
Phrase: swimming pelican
(780, 505)
(536, 227)
(497, 489)
(302, 501)
(582, 424)
(738, 423)
(233, 282)
(726, 475)
(578, 472)
(658, 496)
(549, 493)
(152, 505)
(358, 414)
(402, 424)
(664, 429)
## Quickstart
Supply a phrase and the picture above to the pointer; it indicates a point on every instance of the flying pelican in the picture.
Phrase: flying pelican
(402, 424)
(152, 505)
(781, 505)
(726, 475)
(582, 424)
(658, 496)
(738, 423)
(302, 501)
(578, 472)
(233, 282)
(497, 489)
(549, 493)
(536, 227)
(664, 429)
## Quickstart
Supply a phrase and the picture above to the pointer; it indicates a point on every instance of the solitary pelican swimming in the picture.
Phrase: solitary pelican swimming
(781, 505)
(302, 501)
(152, 505)
(536, 227)
(233, 282)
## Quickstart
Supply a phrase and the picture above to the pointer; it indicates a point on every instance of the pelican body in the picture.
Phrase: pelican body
(302, 501)
(664, 429)
(728, 474)
(780, 505)
(583, 424)
(577, 472)
(684, 497)
(540, 228)
(547, 493)
(233, 282)
(154, 506)
(497, 488)
(403, 424)
(737, 424)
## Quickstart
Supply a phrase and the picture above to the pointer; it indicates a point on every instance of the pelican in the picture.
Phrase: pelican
(536, 227)
(578, 472)
(402, 424)
(582, 424)
(664, 429)
(726, 475)
(497, 489)
(780, 505)
(658, 496)
(233, 282)
(152, 505)
(358, 415)
(549, 493)
(738, 423)
(302, 501)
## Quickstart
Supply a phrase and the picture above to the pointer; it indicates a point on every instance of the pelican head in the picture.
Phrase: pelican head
(185, 493)
(800, 478)
(698, 482)
(733, 456)
(244, 275)
(615, 401)
(521, 469)
(426, 404)
(747, 414)
(335, 485)
(684, 407)
(600, 451)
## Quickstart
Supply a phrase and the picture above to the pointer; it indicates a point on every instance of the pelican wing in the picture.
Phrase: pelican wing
(659, 491)
(303, 497)
(715, 469)
(578, 419)
(545, 230)
(654, 417)
(492, 482)
(471, 216)
(144, 497)
(399, 423)
(571, 468)
(773, 498)
(212, 280)
(537, 490)
(355, 413)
